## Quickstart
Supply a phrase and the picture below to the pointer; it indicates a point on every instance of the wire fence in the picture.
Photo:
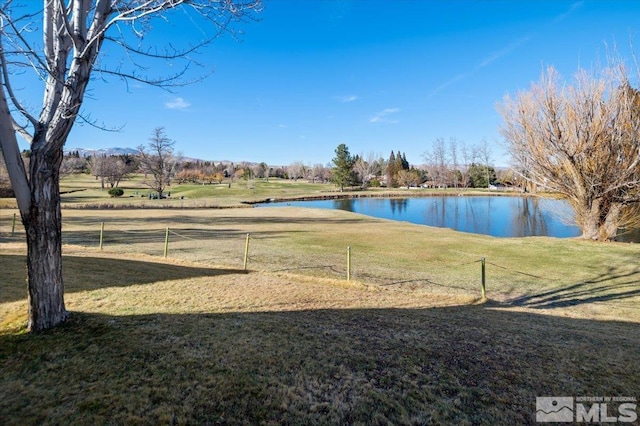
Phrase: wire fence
(241, 250)
(265, 251)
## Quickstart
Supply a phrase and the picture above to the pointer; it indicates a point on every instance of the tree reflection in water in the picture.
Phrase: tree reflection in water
(500, 216)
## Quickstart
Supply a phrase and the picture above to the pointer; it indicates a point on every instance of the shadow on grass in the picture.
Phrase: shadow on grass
(215, 220)
(456, 365)
(188, 236)
(91, 273)
(613, 284)
(143, 236)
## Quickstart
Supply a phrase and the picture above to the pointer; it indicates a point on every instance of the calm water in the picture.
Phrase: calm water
(497, 216)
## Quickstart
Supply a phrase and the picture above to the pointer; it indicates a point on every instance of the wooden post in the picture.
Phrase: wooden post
(483, 279)
(166, 242)
(13, 225)
(348, 263)
(101, 234)
(246, 252)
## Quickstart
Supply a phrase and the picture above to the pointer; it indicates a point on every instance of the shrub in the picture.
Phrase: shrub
(116, 192)
(374, 183)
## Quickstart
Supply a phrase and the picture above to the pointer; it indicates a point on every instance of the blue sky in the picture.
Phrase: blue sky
(375, 75)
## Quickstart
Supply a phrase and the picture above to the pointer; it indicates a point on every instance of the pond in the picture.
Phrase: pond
(499, 216)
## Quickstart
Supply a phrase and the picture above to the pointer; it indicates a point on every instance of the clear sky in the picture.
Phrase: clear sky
(375, 75)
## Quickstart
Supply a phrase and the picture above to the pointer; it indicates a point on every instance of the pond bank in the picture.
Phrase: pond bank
(411, 193)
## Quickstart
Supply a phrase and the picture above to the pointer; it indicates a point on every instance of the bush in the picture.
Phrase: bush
(374, 183)
(116, 192)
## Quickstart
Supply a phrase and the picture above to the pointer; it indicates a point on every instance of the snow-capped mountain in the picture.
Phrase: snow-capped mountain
(84, 152)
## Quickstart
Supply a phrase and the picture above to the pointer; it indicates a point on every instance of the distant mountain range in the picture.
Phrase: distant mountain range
(83, 152)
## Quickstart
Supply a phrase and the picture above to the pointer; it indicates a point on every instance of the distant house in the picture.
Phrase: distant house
(433, 184)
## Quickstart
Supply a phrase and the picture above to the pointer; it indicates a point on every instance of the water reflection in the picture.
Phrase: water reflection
(531, 219)
(398, 205)
(344, 204)
(498, 216)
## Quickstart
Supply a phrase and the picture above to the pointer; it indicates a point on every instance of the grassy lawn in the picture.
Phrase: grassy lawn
(196, 339)
(84, 190)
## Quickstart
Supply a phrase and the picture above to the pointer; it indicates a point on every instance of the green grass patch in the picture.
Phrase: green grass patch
(78, 191)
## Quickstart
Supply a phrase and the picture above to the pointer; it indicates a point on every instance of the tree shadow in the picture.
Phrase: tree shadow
(213, 221)
(613, 284)
(157, 235)
(92, 273)
(453, 365)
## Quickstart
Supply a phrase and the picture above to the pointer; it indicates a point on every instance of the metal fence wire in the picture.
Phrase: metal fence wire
(235, 248)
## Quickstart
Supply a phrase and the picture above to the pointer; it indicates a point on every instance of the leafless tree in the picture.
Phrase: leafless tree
(468, 155)
(110, 169)
(72, 165)
(367, 168)
(484, 155)
(296, 170)
(97, 168)
(230, 170)
(115, 170)
(73, 36)
(260, 171)
(327, 173)
(317, 173)
(453, 157)
(157, 161)
(437, 164)
(408, 178)
(581, 140)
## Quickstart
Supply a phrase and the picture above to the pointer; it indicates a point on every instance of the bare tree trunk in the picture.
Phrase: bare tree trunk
(44, 245)
(590, 229)
(609, 229)
(596, 226)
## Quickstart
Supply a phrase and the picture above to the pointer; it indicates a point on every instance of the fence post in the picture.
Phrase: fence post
(246, 252)
(101, 234)
(483, 278)
(348, 263)
(13, 225)
(166, 242)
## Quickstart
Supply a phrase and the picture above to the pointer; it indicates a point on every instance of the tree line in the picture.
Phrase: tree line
(452, 165)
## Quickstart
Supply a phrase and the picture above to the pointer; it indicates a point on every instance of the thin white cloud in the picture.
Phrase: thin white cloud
(484, 63)
(488, 60)
(449, 82)
(504, 51)
(347, 98)
(177, 103)
(381, 117)
(574, 6)
(494, 56)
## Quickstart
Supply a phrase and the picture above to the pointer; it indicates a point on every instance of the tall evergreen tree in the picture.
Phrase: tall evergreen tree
(399, 163)
(405, 163)
(343, 174)
(391, 170)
